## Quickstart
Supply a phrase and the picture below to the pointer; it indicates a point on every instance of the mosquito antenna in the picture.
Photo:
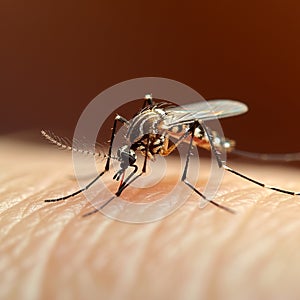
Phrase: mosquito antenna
(268, 157)
(66, 144)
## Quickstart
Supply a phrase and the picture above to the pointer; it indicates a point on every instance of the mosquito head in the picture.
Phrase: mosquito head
(127, 156)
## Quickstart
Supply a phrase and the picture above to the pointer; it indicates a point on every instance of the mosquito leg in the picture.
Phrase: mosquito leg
(121, 188)
(146, 155)
(213, 149)
(77, 192)
(208, 200)
(166, 150)
(184, 175)
(117, 119)
(113, 134)
(124, 185)
(274, 188)
(221, 164)
(129, 180)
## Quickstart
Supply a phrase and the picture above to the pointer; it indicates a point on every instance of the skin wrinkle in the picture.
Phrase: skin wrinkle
(20, 203)
(55, 248)
(217, 277)
(263, 257)
(268, 254)
(14, 226)
(138, 259)
(52, 252)
(12, 201)
(18, 260)
(126, 242)
(20, 223)
(148, 268)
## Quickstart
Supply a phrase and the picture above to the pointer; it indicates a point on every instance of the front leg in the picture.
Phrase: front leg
(129, 180)
(117, 119)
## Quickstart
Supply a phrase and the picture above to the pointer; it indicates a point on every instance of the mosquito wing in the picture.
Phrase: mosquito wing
(209, 110)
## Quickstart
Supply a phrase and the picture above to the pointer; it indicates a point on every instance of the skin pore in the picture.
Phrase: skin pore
(48, 251)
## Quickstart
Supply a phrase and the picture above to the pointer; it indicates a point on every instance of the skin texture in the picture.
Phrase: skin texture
(48, 251)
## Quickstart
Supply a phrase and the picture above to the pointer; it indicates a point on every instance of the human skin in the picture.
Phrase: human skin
(49, 251)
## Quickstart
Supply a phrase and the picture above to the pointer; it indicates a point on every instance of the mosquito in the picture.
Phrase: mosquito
(149, 133)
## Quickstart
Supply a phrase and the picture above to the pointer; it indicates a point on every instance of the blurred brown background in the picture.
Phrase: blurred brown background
(57, 56)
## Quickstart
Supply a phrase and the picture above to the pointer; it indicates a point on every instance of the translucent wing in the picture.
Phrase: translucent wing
(204, 111)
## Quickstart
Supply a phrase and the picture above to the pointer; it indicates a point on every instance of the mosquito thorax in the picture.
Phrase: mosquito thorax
(148, 121)
(126, 156)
